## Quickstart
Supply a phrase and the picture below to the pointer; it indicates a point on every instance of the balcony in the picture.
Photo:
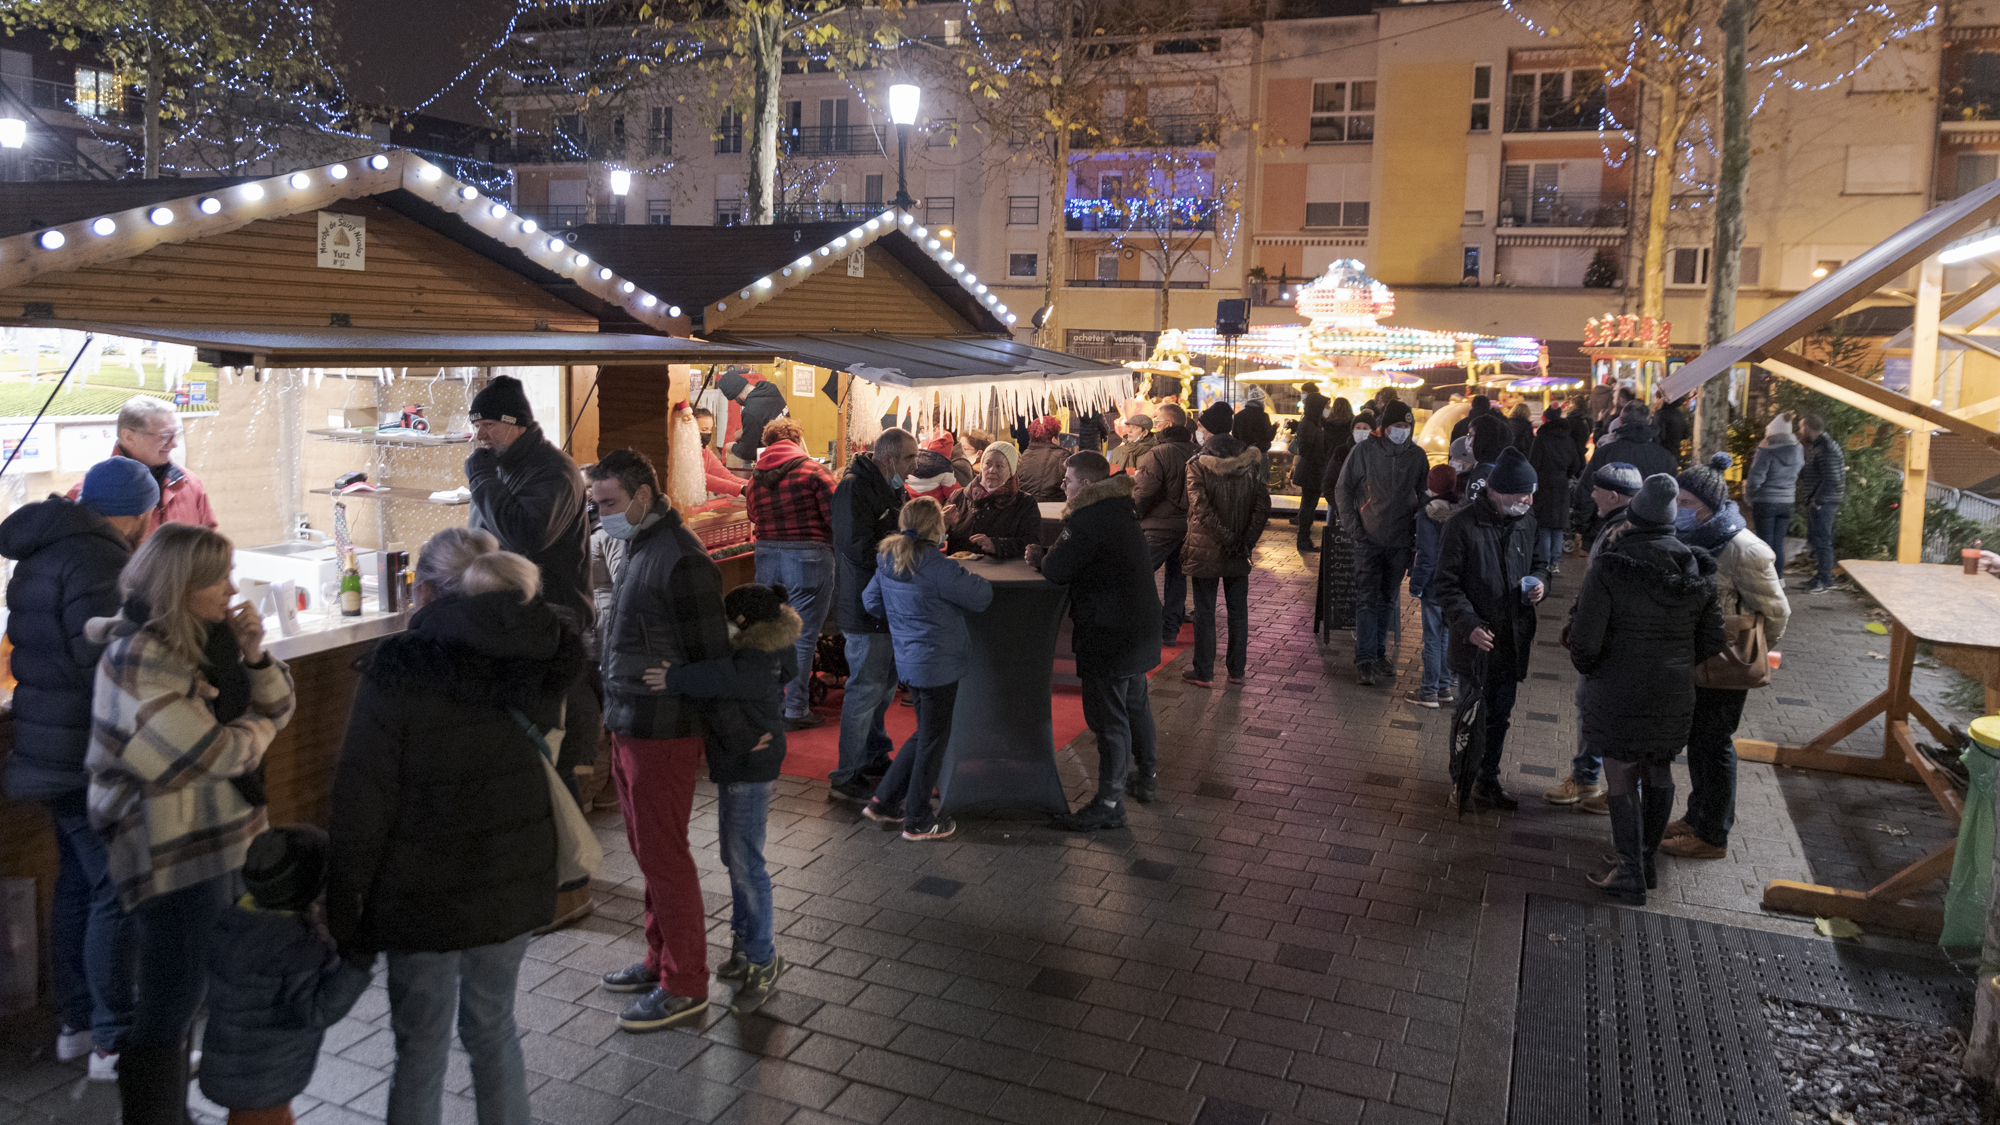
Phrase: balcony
(1172, 130)
(100, 104)
(1163, 215)
(1562, 209)
(1280, 294)
(1128, 283)
(816, 212)
(831, 140)
(557, 216)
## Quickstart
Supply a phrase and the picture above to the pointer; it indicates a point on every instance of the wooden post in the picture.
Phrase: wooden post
(1923, 387)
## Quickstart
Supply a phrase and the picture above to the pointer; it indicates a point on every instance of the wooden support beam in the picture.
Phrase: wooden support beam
(1968, 295)
(1872, 397)
(1923, 388)
(1983, 406)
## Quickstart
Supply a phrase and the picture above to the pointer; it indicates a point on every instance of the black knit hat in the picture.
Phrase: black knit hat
(1397, 413)
(286, 866)
(1511, 474)
(502, 400)
(753, 603)
(1218, 418)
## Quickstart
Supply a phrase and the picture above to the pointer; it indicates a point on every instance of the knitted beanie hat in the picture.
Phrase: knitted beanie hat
(120, 486)
(1655, 502)
(1511, 474)
(1218, 418)
(1705, 483)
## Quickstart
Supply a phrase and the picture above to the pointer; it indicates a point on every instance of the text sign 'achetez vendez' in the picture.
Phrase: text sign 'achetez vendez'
(343, 241)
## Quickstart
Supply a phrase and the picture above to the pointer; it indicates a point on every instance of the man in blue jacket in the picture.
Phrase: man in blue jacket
(1102, 557)
(67, 557)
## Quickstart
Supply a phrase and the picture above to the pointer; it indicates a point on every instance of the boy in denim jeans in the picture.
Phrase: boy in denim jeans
(746, 747)
(1441, 485)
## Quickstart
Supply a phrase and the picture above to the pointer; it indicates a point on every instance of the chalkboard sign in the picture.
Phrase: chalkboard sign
(1333, 608)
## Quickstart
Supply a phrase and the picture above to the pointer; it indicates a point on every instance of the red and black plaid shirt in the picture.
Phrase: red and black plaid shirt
(790, 505)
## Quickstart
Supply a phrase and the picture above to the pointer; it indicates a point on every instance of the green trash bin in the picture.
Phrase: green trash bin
(1965, 903)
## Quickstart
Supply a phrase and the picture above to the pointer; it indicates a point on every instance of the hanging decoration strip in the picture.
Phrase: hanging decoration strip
(956, 404)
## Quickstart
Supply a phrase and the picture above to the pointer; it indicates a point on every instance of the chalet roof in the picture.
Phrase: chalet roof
(907, 361)
(392, 347)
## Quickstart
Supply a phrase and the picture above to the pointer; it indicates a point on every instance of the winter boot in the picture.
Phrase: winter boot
(1657, 809)
(1626, 879)
(738, 966)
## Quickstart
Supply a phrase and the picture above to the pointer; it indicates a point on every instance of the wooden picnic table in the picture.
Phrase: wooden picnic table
(1958, 614)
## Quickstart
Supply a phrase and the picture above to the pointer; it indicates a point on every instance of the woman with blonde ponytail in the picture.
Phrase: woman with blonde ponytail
(925, 597)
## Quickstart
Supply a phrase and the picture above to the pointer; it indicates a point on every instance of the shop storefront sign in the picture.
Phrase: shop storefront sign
(343, 241)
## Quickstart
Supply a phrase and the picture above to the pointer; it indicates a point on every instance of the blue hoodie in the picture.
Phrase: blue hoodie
(926, 613)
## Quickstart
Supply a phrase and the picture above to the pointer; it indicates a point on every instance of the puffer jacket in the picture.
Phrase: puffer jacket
(1380, 490)
(66, 564)
(1773, 477)
(443, 835)
(531, 499)
(1646, 618)
(745, 694)
(1556, 465)
(1252, 426)
(1823, 480)
(1228, 505)
(1160, 493)
(1746, 570)
(1430, 539)
(275, 985)
(926, 611)
(1040, 472)
(1482, 556)
(865, 507)
(1101, 557)
(1012, 519)
(667, 606)
(1310, 445)
(1636, 446)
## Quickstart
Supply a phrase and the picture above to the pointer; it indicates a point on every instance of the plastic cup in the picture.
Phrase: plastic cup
(1775, 657)
(1529, 584)
(1970, 556)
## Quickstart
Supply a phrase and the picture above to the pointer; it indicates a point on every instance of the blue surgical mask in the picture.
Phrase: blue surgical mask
(617, 526)
(896, 480)
(1686, 519)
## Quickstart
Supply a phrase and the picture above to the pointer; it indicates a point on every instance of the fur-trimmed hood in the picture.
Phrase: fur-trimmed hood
(1110, 488)
(1653, 556)
(776, 635)
(1226, 456)
(487, 650)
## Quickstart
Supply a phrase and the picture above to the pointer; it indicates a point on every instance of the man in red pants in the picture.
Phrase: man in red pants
(667, 608)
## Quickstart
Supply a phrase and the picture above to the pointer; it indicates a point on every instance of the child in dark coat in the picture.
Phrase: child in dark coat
(275, 983)
(745, 719)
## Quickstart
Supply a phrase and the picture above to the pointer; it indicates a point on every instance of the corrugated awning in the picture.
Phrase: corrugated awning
(905, 361)
(390, 347)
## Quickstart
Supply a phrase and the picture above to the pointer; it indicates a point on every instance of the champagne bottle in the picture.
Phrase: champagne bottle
(350, 588)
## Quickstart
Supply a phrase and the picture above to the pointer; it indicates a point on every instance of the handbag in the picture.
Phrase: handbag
(579, 857)
(1744, 661)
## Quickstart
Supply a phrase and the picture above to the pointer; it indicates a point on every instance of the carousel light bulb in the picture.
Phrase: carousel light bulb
(52, 240)
(826, 251)
(1010, 318)
(101, 227)
(338, 171)
(979, 289)
(958, 267)
(944, 256)
(874, 224)
(971, 279)
(210, 206)
(299, 181)
(744, 294)
(918, 233)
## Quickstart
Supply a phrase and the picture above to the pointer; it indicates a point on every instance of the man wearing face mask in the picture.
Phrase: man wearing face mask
(1489, 579)
(1381, 488)
(866, 505)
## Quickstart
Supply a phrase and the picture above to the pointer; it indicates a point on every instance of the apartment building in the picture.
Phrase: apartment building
(1489, 175)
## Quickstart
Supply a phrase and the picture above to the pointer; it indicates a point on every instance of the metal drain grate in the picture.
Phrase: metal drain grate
(1628, 1016)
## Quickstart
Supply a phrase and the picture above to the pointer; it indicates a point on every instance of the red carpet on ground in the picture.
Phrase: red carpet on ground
(814, 753)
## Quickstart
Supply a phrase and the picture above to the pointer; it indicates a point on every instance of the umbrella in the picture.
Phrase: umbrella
(1468, 732)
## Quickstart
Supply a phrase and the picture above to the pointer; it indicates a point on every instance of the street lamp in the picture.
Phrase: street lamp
(903, 99)
(621, 181)
(13, 134)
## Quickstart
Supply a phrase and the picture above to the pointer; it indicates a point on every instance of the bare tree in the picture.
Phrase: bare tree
(1176, 208)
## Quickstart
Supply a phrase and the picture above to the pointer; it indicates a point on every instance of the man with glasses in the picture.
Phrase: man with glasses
(148, 431)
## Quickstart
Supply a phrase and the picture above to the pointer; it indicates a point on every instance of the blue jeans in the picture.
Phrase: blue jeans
(1236, 595)
(89, 935)
(1584, 766)
(1437, 675)
(1166, 551)
(1551, 543)
(805, 570)
(871, 687)
(743, 807)
(1772, 524)
(1819, 539)
(426, 990)
(1119, 713)
(914, 774)
(1378, 588)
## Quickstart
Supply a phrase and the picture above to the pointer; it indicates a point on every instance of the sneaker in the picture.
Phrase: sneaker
(1364, 674)
(937, 829)
(103, 1067)
(1599, 803)
(660, 1008)
(632, 978)
(737, 967)
(1188, 677)
(1385, 669)
(1489, 795)
(1090, 818)
(71, 1045)
(1572, 791)
(1948, 763)
(1676, 828)
(880, 813)
(571, 906)
(1144, 787)
(1692, 846)
(1817, 587)
(1446, 697)
(855, 791)
(1422, 698)
(758, 984)
(1555, 568)
(1236, 680)
(807, 721)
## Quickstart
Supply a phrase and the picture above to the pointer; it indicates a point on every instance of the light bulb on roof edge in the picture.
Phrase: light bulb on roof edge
(971, 278)
(253, 191)
(673, 310)
(840, 244)
(906, 217)
(582, 260)
(604, 274)
(958, 267)
(210, 205)
(338, 171)
(648, 300)
(555, 245)
(102, 227)
(944, 256)
(52, 240)
(528, 226)
(161, 216)
(299, 180)
(498, 210)
(855, 234)
(920, 232)
(979, 289)
(763, 283)
(429, 172)
(628, 287)
(378, 161)
(874, 224)
(804, 263)
(468, 192)
(825, 251)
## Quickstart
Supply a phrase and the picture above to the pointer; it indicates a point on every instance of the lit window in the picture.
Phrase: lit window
(99, 93)
(1482, 99)
(1024, 265)
(1343, 111)
(1555, 101)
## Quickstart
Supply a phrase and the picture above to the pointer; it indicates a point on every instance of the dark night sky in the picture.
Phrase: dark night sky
(401, 51)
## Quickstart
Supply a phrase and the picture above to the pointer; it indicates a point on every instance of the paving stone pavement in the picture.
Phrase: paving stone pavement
(1299, 929)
